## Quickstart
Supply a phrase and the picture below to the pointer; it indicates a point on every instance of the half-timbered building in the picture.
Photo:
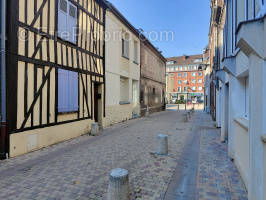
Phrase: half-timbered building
(55, 71)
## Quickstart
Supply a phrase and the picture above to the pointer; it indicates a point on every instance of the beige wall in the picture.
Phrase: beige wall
(241, 148)
(119, 68)
(27, 141)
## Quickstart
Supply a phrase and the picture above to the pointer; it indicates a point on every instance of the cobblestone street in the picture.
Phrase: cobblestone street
(197, 166)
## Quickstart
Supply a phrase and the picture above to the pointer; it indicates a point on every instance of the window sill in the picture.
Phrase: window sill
(242, 122)
(125, 57)
(135, 62)
(67, 113)
(124, 102)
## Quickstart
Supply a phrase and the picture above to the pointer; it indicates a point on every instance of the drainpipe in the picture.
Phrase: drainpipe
(3, 75)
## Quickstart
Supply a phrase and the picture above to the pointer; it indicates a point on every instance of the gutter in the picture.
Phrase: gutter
(3, 77)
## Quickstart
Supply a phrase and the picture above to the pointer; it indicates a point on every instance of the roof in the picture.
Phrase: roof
(185, 60)
(145, 41)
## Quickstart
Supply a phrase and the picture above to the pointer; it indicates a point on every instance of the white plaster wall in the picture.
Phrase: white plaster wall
(117, 67)
(256, 126)
(242, 148)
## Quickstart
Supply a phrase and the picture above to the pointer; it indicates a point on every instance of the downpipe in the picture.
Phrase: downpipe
(3, 80)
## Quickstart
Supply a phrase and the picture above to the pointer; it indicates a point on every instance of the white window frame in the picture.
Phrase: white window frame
(125, 48)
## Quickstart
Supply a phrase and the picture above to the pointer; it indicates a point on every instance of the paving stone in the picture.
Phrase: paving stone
(79, 168)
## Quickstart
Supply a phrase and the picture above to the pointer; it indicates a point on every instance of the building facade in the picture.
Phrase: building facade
(241, 89)
(55, 84)
(185, 77)
(122, 68)
(153, 86)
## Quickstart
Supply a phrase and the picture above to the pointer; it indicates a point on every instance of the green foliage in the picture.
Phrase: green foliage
(180, 102)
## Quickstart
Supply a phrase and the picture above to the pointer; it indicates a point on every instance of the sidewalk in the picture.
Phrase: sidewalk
(79, 169)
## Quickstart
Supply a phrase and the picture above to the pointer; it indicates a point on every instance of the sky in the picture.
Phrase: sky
(186, 23)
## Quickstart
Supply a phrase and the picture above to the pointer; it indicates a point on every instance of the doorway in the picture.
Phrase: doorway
(96, 103)
(226, 105)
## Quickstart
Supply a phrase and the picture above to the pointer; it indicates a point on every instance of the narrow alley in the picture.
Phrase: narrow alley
(197, 166)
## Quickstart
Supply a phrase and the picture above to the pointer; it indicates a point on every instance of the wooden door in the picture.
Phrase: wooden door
(96, 98)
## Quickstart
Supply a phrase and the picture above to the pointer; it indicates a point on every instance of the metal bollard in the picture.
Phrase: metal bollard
(94, 129)
(147, 112)
(118, 188)
(162, 144)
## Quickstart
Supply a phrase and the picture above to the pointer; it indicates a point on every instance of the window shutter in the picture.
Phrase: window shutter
(62, 90)
(67, 91)
(73, 91)
(62, 18)
(72, 22)
(127, 48)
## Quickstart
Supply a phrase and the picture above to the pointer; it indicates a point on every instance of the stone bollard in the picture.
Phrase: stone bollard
(162, 144)
(118, 188)
(94, 129)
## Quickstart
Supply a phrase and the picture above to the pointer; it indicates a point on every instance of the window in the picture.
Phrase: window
(194, 88)
(193, 74)
(179, 89)
(185, 74)
(67, 91)
(200, 88)
(185, 68)
(179, 75)
(176, 69)
(135, 91)
(136, 54)
(124, 89)
(200, 81)
(170, 62)
(125, 48)
(193, 80)
(200, 74)
(67, 21)
(185, 89)
(195, 67)
(153, 91)
(181, 68)
(179, 82)
(185, 81)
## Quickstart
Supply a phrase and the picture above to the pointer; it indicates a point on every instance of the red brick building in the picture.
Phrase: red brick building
(186, 74)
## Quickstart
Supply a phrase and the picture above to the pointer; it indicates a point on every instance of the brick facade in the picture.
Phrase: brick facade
(185, 74)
